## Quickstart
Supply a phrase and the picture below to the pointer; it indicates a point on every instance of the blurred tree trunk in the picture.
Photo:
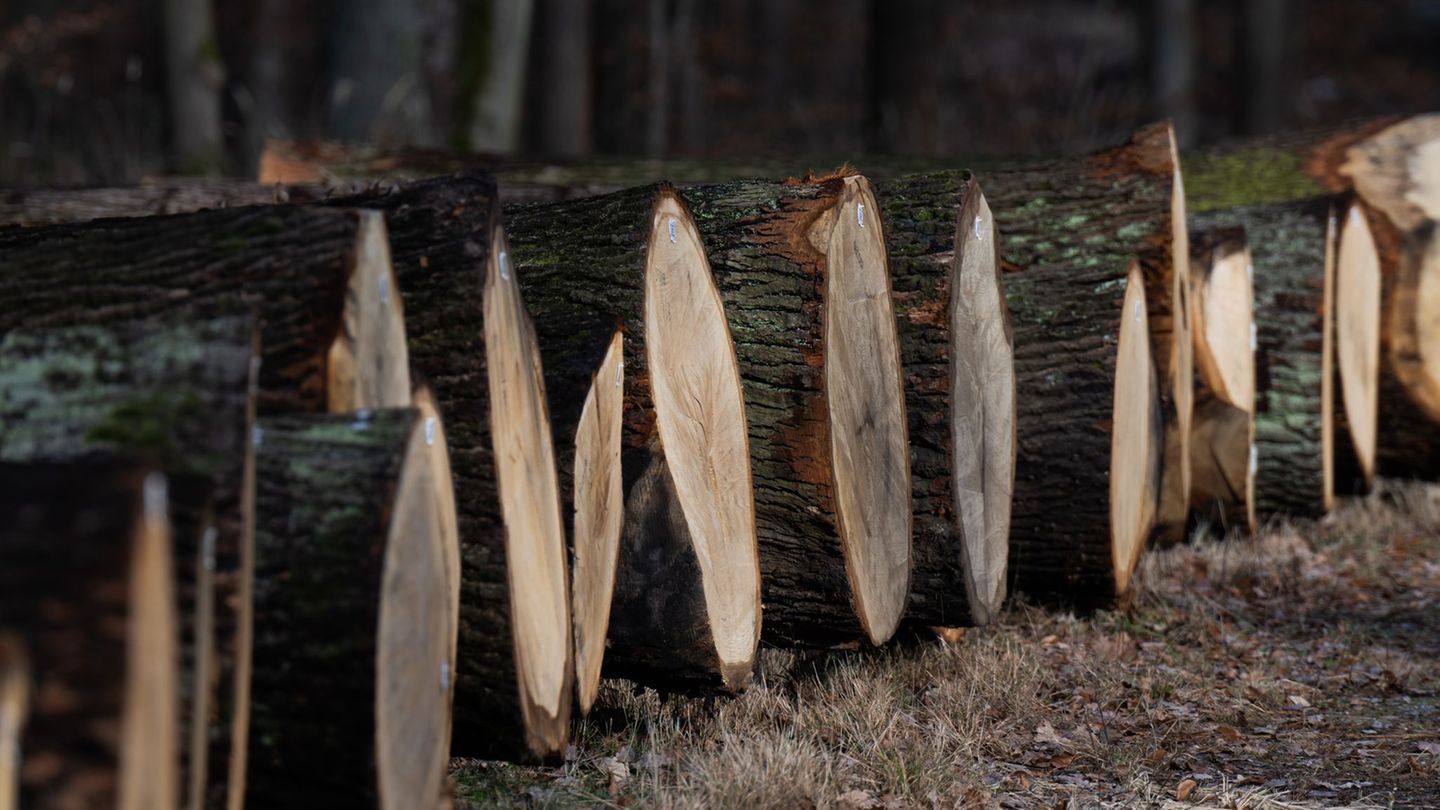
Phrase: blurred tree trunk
(657, 114)
(1174, 61)
(1263, 79)
(195, 75)
(493, 55)
(377, 90)
(561, 91)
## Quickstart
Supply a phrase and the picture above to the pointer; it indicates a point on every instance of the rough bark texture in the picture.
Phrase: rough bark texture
(178, 393)
(56, 206)
(773, 282)
(291, 263)
(441, 232)
(326, 489)
(920, 230)
(66, 542)
(1287, 249)
(1097, 212)
(581, 265)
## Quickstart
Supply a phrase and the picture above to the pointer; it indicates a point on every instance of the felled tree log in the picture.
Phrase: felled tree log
(1089, 432)
(56, 206)
(354, 616)
(649, 422)
(1394, 174)
(957, 356)
(179, 393)
(331, 336)
(86, 572)
(317, 278)
(1085, 497)
(1291, 248)
(1385, 162)
(803, 272)
(1222, 434)
(471, 343)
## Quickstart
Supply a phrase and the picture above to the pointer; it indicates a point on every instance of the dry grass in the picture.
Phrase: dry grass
(1294, 671)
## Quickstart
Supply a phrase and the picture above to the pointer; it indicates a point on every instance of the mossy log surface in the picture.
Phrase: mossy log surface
(69, 535)
(443, 234)
(56, 206)
(326, 490)
(291, 262)
(179, 393)
(921, 221)
(1274, 169)
(581, 265)
(1288, 251)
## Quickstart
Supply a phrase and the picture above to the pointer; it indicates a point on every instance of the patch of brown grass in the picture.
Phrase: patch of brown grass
(1297, 669)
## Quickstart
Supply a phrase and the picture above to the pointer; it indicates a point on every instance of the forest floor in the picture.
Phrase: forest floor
(1297, 670)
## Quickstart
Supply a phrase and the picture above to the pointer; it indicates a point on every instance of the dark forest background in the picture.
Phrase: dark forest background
(111, 92)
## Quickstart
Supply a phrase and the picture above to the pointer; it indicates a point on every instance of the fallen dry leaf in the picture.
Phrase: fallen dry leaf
(1183, 791)
(856, 800)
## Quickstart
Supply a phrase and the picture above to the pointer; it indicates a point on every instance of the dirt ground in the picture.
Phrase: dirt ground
(1297, 670)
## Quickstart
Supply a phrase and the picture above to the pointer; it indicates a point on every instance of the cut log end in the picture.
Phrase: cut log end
(368, 364)
(148, 726)
(700, 413)
(1137, 437)
(414, 660)
(599, 510)
(1182, 362)
(437, 454)
(530, 508)
(1327, 366)
(14, 707)
(1357, 334)
(1222, 443)
(1224, 324)
(982, 406)
(1426, 384)
(866, 407)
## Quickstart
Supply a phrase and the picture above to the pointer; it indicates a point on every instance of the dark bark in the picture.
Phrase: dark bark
(68, 533)
(59, 206)
(441, 233)
(581, 265)
(1287, 249)
(1067, 326)
(291, 263)
(920, 229)
(178, 393)
(325, 497)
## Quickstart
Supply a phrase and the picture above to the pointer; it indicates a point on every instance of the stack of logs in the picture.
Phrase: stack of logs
(306, 485)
